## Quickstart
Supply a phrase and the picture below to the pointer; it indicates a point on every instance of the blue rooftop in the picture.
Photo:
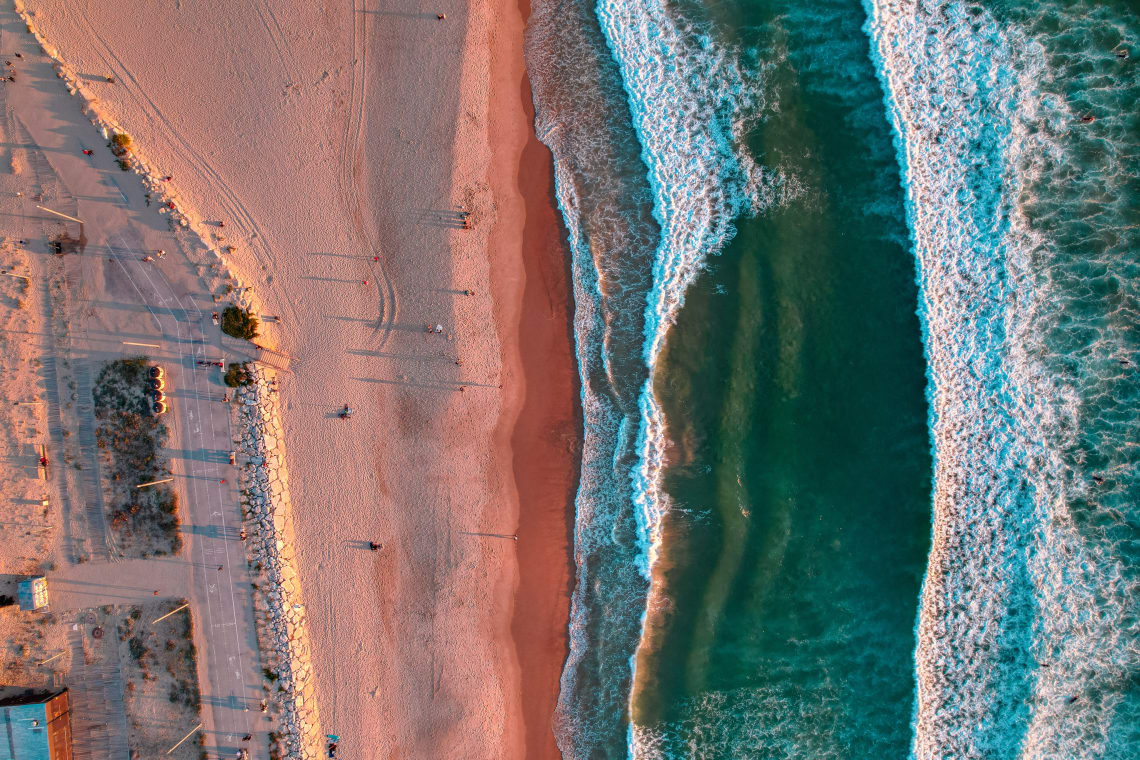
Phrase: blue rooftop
(23, 733)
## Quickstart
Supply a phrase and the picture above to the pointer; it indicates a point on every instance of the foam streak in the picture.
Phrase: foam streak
(1027, 627)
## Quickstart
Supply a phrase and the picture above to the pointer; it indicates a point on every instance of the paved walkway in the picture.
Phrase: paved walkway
(98, 716)
(132, 581)
(162, 303)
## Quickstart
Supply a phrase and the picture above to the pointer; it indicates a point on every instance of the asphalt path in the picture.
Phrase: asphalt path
(121, 298)
(200, 423)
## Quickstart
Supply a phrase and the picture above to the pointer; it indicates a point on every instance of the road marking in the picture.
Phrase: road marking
(155, 278)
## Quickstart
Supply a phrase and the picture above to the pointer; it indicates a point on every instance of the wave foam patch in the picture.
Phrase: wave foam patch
(1027, 633)
(691, 104)
(749, 722)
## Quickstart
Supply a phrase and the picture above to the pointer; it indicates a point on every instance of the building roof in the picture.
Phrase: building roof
(33, 593)
(32, 730)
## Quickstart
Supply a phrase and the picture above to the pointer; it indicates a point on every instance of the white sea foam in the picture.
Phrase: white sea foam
(587, 325)
(609, 230)
(1027, 628)
(691, 103)
(764, 722)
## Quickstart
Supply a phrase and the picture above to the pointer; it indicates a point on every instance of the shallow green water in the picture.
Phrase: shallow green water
(794, 388)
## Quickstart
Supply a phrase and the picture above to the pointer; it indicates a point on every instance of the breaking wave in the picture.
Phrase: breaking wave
(1018, 148)
(646, 201)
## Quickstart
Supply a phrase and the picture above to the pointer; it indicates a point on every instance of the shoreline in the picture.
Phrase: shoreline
(546, 438)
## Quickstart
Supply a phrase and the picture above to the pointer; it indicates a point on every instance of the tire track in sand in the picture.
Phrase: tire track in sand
(348, 178)
(229, 199)
(276, 36)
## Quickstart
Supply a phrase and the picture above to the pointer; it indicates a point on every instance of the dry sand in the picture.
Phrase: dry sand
(322, 137)
(29, 530)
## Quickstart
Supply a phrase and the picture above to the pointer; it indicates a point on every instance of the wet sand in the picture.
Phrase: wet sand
(546, 441)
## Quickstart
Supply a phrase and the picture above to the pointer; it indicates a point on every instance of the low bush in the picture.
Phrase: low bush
(120, 144)
(239, 323)
(143, 521)
(238, 375)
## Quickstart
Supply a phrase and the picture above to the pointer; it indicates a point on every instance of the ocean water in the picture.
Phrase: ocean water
(1019, 144)
(856, 322)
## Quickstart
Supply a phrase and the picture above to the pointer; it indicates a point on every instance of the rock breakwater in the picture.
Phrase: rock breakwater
(282, 627)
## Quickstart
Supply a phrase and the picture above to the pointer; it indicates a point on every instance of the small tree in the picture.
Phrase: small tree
(238, 375)
(120, 144)
(239, 323)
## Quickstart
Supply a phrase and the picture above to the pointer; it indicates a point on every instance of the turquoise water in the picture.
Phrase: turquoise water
(857, 327)
(799, 472)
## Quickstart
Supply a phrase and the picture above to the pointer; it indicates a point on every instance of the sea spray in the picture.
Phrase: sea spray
(1028, 626)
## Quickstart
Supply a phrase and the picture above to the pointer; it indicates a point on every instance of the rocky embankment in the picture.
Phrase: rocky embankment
(282, 628)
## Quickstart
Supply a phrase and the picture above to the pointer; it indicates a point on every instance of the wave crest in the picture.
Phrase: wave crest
(1027, 633)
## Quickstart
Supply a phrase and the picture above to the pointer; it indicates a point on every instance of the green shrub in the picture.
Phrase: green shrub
(239, 323)
(238, 375)
(120, 144)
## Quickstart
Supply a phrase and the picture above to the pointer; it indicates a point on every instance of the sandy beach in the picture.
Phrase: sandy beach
(342, 148)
